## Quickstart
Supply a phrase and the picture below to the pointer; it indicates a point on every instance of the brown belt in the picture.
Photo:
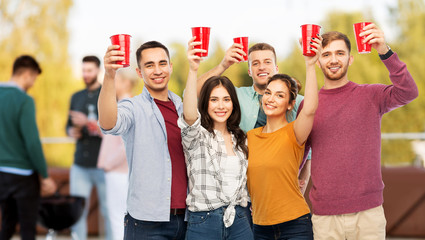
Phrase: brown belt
(177, 211)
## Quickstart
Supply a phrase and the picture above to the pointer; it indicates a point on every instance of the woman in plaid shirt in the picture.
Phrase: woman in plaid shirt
(216, 157)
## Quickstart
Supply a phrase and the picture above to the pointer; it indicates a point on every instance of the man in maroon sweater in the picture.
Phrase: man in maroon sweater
(347, 192)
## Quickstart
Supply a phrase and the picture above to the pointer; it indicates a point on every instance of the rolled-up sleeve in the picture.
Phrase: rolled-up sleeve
(125, 118)
(190, 134)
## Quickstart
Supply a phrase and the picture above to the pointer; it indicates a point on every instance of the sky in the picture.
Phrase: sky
(276, 22)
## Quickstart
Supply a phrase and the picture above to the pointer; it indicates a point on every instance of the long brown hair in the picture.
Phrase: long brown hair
(235, 117)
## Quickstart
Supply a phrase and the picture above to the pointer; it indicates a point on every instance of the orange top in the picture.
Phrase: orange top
(273, 165)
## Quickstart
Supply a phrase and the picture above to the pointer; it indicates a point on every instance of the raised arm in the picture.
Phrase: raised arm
(190, 98)
(404, 88)
(233, 55)
(304, 122)
(107, 103)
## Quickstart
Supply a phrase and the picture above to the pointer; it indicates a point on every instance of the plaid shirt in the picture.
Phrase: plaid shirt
(204, 151)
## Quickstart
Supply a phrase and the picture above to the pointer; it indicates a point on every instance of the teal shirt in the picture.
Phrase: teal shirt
(20, 145)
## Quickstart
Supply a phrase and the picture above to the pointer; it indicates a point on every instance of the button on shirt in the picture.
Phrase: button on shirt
(142, 127)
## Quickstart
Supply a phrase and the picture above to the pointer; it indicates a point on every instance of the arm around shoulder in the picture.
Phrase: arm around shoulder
(233, 55)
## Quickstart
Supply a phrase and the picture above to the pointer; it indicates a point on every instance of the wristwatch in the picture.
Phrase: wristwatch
(386, 55)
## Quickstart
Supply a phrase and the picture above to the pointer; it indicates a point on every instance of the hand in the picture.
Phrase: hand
(317, 43)
(48, 187)
(375, 37)
(233, 55)
(78, 119)
(194, 60)
(111, 56)
(75, 132)
(303, 185)
(94, 129)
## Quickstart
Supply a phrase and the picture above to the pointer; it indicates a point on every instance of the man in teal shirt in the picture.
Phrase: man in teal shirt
(22, 162)
(262, 65)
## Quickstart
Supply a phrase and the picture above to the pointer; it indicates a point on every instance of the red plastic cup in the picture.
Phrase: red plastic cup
(202, 35)
(361, 47)
(308, 31)
(244, 42)
(124, 41)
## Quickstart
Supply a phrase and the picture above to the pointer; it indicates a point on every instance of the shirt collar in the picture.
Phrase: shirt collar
(172, 96)
(252, 92)
(219, 136)
(11, 84)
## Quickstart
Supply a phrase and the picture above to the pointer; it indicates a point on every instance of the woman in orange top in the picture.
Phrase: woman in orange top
(275, 154)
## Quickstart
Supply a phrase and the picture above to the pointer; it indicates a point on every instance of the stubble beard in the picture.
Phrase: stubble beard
(91, 82)
(335, 77)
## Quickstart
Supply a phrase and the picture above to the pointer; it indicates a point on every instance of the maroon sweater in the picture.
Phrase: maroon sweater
(346, 141)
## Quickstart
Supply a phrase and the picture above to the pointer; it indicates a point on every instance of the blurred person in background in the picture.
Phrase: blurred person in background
(22, 163)
(82, 126)
(112, 159)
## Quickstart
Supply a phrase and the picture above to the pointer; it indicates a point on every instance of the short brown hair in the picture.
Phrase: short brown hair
(262, 47)
(147, 45)
(25, 62)
(92, 59)
(334, 35)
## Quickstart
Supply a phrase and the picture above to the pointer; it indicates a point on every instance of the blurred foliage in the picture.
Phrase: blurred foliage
(36, 27)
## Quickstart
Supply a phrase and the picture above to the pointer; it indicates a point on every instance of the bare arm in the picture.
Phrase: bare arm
(190, 100)
(233, 55)
(304, 123)
(107, 103)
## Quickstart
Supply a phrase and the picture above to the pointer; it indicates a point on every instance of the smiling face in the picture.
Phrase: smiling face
(261, 66)
(335, 60)
(277, 99)
(220, 105)
(155, 69)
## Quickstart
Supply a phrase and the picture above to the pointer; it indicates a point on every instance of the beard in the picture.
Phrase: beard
(90, 81)
(335, 77)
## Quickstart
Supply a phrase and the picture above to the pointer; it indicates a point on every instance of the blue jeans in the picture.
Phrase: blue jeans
(82, 181)
(135, 229)
(209, 225)
(297, 229)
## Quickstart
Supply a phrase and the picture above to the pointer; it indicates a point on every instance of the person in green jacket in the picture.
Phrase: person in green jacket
(22, 164)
